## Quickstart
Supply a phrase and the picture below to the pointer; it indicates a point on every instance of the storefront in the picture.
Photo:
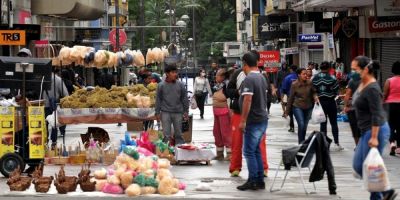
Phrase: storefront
(383, 36)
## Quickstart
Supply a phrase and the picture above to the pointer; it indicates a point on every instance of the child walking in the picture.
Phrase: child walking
(221, 131)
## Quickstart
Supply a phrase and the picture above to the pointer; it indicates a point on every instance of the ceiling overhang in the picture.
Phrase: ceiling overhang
(72, 9)
(329, 5)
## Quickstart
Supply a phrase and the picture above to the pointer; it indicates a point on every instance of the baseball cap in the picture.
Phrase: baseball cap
(24, 51)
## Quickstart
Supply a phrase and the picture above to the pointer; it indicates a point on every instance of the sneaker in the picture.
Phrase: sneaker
(235, 173)
(337, 147)
(392, 149)
(248, 186)
(265, 173)
(291, 130)
(390, 195)
(397, 151)
(260, 185)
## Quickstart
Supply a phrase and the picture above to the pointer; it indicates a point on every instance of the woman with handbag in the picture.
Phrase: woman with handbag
(368, 104)
(201, 88)
(222, 131)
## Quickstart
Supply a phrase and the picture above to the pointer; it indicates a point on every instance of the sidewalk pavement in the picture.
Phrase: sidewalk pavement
(224, 187)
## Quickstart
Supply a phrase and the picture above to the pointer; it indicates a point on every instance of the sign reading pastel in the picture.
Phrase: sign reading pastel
(310, 37)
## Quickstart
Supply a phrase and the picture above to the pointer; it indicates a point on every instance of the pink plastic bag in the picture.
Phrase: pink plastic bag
(145, 142)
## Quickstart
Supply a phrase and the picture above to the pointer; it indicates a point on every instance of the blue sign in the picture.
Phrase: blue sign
(310, 37)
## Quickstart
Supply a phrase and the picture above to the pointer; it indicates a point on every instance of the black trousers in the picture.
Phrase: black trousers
(200, 100)
(330, 110)
(353, 124)
(394, 123)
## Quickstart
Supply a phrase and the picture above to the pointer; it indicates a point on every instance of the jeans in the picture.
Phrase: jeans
(200, 100)
(251, 151)
(302, 117)
(330, 110)
(175, 119)
(53, 134)
(363, 148)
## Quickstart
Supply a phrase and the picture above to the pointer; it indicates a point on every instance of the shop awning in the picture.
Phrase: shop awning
(328, 5)
(72, 9)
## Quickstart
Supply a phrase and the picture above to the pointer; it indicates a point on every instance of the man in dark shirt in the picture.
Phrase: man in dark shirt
(212, 74)
(253, 120)
(285, 92)
(327, 89)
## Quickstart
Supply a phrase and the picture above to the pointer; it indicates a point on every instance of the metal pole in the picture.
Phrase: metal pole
(194, 39)
(116, 2)
(170, 21)
(142, 23)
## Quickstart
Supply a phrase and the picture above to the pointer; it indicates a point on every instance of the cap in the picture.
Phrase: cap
(24, 51)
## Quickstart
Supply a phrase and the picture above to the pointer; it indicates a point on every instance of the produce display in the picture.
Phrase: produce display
(137, 96)
(89, 57)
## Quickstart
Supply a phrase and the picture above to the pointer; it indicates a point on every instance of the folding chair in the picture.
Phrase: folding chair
(305, 162)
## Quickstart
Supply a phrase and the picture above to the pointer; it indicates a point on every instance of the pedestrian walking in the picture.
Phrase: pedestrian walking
(146, 80)
(222, 124)
(285, 91)
(392, 99)
(172, 105)
(201, 89)
(327, 89)
(253, 120)
(349, 109)
(233, 91)
(301, 100)
(212, 74)
(281, 75)
(309, 73)
(52, 97)
(375, 131)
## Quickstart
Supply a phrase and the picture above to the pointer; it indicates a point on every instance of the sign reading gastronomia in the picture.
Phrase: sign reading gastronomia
(12, 37)
(383, 24)
(310, 38)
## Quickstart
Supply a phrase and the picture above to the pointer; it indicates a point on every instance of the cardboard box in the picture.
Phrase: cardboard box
(135, 126)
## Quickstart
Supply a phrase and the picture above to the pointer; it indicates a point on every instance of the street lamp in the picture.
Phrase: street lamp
(185, 18)
(170, 13)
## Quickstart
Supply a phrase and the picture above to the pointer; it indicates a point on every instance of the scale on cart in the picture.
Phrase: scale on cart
(25, 146)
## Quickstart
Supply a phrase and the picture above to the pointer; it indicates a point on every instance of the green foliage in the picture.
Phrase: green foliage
(215, 21)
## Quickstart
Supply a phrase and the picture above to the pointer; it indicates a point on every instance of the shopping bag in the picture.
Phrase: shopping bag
(375, 175)
(318, 115)
(193, 103)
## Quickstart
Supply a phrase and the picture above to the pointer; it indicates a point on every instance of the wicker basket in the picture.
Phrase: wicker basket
(59, 160)
(109, 157)
(77, 159)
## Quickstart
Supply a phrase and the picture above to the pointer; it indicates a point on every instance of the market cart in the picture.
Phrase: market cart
(23, 128)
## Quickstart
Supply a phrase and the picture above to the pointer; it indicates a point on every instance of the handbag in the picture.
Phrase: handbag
(193, 103)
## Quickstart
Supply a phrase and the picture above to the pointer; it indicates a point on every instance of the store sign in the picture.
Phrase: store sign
(346, 27)
(290, 51)
(310, 38)
(383, 24)
(271, 27)
(270, 60)
(387, 8)
(12, 37)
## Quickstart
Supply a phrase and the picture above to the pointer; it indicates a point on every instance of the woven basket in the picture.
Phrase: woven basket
(77, 159)
(109, 157)
(59, 160)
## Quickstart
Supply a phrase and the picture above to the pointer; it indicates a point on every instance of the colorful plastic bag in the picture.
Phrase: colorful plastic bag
(375, 175)
(144, 142)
